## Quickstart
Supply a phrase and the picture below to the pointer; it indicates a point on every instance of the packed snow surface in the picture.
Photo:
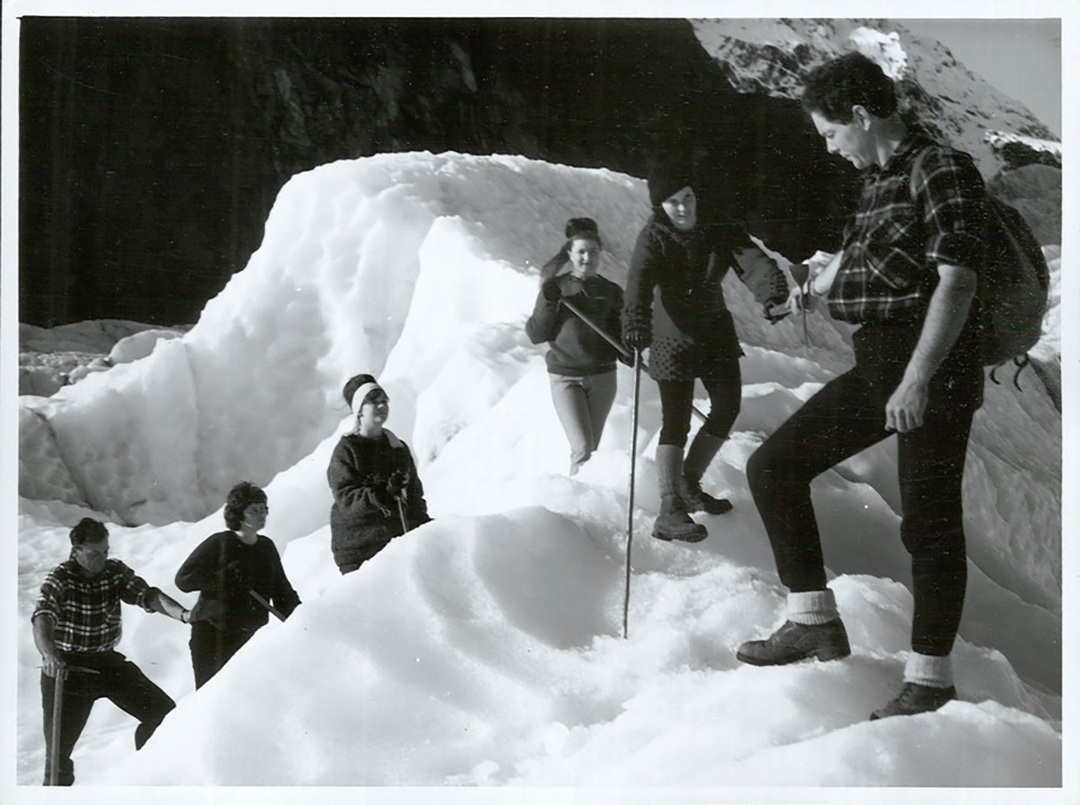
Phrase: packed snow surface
(486, 647)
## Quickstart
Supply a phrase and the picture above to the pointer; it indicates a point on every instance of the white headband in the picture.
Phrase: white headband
(361, 395)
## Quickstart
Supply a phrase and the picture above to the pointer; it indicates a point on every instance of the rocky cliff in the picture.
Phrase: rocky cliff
(152, 149)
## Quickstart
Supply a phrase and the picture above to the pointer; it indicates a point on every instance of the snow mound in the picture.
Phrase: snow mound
(139, 345)
(485, 648)
(344, 247)
(503, 641)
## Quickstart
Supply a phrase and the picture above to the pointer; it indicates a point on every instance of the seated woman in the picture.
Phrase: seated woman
(232, 570)
(581, 362)
(377, 492)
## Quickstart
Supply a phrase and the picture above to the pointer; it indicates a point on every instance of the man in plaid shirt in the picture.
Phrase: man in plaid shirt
(907, 275)
(76, 629)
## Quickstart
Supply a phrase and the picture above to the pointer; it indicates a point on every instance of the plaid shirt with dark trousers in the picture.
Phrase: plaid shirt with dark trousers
(893, 246)
(86, 616)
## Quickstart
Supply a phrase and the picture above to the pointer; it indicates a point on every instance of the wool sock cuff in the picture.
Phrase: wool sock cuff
(924, 669)
(812, 608)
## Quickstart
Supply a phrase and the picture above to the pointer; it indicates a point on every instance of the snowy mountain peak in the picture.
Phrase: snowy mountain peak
(951, 101)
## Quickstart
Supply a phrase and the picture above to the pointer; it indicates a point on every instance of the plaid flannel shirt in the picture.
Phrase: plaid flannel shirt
(893, 244)
(86, 610)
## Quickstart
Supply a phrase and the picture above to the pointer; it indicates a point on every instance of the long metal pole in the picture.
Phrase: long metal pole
(573, 308)
(57, 713)
(630, 504)
(617, 344)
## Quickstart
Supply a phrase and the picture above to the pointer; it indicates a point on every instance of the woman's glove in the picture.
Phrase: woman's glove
(397, 483)
(570, 285)
(637, 329)
(762, 275)
(551, 290)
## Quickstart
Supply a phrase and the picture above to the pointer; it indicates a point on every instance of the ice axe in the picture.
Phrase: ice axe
(57, 714)
(266, 605)
(57, 711)
(401, 513)
(630, 504)
(634, 356)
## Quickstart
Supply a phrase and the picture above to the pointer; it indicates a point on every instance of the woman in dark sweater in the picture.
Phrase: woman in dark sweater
(675, 306)
(226, 569)
(581, 362)
(377, 492)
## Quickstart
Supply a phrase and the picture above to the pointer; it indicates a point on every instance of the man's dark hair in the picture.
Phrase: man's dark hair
(355, 382)
(241, 496)
(88, 530)
(833, 88)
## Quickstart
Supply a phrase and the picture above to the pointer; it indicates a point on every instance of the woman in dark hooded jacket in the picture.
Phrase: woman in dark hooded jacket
(674, 305)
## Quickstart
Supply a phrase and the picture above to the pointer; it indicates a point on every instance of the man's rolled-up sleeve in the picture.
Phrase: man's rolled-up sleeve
(954, 209)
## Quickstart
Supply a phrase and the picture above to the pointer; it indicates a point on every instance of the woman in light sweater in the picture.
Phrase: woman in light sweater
(580, 361)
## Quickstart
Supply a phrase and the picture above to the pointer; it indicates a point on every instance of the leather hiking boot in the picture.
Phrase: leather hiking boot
(698, 458)
(793, 642)
(673, 523)
(914, 699)
(694, 500)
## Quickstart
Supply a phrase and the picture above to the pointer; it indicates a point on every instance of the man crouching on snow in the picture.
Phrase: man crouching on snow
(76, 629)
(907, 275)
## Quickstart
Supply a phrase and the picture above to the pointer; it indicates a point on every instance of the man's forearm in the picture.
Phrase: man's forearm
(946, 316)
(43, 635)
(51, 661)
(167, 606)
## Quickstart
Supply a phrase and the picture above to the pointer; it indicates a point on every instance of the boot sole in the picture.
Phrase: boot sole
(690, 539)
(715, 510)
(821, 655)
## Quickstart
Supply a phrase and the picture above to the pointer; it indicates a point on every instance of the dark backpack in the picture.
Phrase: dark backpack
(1013, 287)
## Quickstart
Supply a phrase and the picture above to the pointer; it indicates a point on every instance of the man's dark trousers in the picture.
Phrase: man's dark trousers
(117, 679)
(845, 417)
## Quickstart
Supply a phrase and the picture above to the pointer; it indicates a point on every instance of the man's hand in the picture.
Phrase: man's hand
(945, 316)
(52, 663)
(905, 408)
(798, 300)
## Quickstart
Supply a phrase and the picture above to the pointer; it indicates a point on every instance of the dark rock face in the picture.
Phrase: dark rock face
(153, 149)
(1034, 190)
(1017, 155)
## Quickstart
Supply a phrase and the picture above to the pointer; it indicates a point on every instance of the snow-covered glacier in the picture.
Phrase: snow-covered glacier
(485, 648)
